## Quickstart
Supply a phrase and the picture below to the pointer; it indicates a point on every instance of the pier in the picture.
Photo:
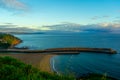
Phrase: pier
(59, 51)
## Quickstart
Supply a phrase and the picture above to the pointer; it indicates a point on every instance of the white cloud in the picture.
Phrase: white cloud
(113, 25)
(44, 28)
(13, 4)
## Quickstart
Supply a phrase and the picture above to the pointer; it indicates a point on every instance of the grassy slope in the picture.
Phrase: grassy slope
(12, 69)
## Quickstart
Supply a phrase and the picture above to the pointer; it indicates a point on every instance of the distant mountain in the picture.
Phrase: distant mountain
(98, 30)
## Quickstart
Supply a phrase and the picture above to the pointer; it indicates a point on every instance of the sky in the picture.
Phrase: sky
(39, 13)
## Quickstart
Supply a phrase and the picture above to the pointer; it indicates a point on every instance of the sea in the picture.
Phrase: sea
(85, 62)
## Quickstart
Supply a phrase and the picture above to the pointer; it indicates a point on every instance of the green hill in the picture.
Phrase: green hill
(8, 41)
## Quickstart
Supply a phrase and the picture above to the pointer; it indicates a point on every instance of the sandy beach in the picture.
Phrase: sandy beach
(40, 61)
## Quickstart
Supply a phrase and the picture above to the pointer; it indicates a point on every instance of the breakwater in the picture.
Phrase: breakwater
(60, 51)
(95, 50)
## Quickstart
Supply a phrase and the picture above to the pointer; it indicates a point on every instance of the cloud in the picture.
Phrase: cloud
(95, 18)
(118, 17)
(106, 16)
(45, 29)
(64, 27)
(72, 27)
(9, 27)
(117, 21)
(105, 24)
(13, 5)
(100, 17)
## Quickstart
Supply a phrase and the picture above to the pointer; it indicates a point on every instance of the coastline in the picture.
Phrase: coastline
(40, 61)
(45, 64)
(52, 63)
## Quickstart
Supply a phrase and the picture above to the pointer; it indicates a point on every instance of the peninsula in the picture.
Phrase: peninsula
(8, 41)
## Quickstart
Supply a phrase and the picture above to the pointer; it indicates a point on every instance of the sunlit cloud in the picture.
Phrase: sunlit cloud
(105, 24)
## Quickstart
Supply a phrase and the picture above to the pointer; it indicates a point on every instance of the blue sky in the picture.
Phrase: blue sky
(35, 13)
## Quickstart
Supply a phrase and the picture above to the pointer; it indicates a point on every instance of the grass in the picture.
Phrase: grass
(12, 69)
(95, 76)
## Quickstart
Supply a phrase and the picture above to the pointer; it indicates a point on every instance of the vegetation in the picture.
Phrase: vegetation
(12, 69)
(94, 76)
(8, 41)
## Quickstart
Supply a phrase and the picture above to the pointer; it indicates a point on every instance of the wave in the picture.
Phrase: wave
(53, 66)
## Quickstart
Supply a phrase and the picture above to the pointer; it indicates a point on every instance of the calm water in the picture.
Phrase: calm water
(85, 62)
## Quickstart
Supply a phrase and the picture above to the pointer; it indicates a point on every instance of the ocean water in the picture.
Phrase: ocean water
(84, 62)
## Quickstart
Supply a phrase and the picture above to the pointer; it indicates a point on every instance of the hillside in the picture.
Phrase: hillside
(12, 69)
(8, 41)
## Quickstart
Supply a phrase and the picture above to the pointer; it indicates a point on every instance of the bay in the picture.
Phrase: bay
(84, 62)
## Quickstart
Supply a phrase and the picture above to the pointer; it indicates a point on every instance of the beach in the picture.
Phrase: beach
(40, 61)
